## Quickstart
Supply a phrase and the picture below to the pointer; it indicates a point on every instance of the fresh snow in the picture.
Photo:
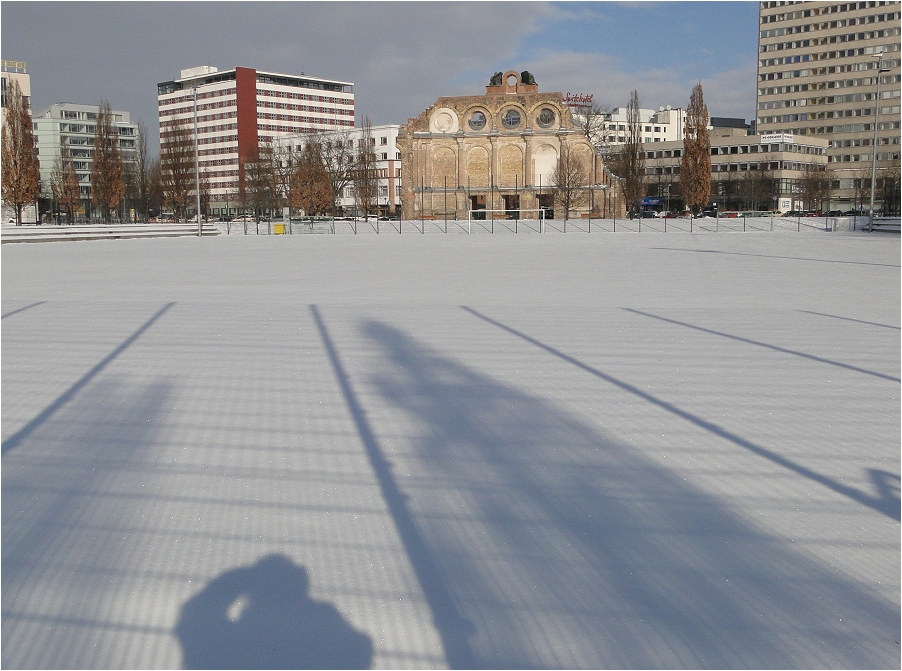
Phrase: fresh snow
(425, 451)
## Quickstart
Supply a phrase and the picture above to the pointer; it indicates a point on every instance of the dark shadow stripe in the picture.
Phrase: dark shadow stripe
(889, 507)
(775, 348)
(33, 305)
(772, 256)
(452, 627)
(851, 319)
(14, 440)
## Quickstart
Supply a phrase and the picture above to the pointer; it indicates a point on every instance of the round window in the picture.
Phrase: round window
(546, 117)
(477, 121)
(511, 119)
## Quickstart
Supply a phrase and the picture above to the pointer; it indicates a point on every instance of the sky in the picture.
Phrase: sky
(401, 56)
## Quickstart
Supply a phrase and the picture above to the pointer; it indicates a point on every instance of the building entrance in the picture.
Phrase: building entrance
(546, 202)
(477, 203)
(512, 206)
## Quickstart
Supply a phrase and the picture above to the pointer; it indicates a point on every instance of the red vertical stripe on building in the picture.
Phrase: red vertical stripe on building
(246, 101)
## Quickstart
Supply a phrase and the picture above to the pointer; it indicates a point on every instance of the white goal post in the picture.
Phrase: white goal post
(516, 214)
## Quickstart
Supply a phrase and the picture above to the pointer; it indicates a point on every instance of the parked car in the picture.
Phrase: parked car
(794, 213)
(648, 215)
(662, 214)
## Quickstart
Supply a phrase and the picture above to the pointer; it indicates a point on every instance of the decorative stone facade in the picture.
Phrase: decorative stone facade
(496, 151)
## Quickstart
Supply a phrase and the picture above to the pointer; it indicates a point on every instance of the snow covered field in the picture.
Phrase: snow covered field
(629, 451)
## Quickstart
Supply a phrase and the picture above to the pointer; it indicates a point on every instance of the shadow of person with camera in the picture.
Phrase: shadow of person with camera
(262, 617)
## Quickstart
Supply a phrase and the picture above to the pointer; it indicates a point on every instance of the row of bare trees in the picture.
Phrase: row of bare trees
(311, 177)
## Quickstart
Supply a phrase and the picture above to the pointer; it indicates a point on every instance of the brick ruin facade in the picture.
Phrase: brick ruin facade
(496, 151)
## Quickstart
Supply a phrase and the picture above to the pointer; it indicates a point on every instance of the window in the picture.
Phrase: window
(546, 117)
(477, 121)
(511, 119)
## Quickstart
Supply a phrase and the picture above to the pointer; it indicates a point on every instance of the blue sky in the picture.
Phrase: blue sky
(400, 56)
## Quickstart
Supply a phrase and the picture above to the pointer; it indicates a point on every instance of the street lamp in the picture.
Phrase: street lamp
(196, 164)
(882, 66)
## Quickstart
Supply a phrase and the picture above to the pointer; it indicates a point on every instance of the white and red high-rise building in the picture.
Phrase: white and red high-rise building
(238, 109)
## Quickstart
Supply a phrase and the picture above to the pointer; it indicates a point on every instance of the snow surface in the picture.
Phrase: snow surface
(629, 451)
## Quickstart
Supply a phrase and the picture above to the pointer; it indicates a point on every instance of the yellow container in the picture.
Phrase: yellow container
(278, 229)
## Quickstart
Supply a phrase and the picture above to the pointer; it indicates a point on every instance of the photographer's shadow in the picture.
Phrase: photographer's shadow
(262, 617)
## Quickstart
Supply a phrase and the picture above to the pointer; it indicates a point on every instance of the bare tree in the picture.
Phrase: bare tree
(284, 166)
(130, 180)
(366, 181)
(629, 163)
(337, 152)
(591, 119)
(155, 197)
(260, 181)
(21, 182)
(760, 186)
(569, 179)
(64, 184)
(142, 166)
(311, 187)
(695, 171)
(107, 183)
(815, 184)
(889, 190)
(177, 167)
(204, 180)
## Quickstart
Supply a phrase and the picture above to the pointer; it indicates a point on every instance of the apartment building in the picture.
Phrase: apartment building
(17, 71)
(69, 128)
(817, 76)
(748, 172)
(238, 109)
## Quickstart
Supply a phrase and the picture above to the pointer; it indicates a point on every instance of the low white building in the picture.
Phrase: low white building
(388, 164)
(665, 125)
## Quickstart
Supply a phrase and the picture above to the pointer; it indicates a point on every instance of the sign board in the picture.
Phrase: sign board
(651, 201)
(578, 99)
(777, 138)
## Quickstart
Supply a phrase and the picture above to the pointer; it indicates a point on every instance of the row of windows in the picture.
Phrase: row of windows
(220, 161)
(828, 100)
(301, 83)
(823, 41)
(290, 129)
(217, 140)
(835, 84)
(853, 158)
(819, 11)
(217, 150)
(828, 25)
(383, 191)
(830, 114)
(833, 69)
(733, 150)
(307, 108)
(840, 128)
(303, 96)
(866, 142)
(200, 96)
